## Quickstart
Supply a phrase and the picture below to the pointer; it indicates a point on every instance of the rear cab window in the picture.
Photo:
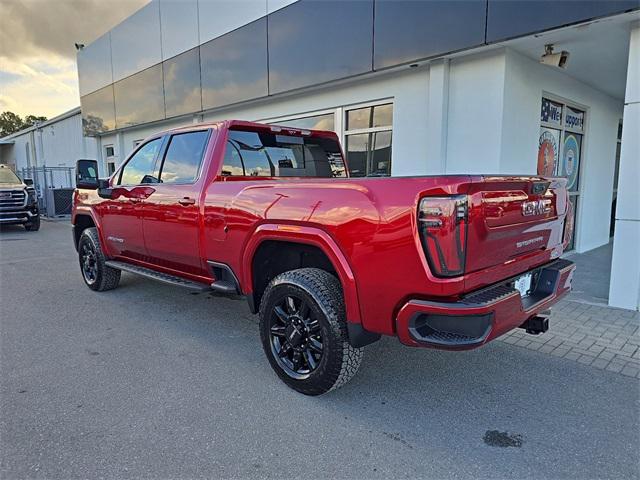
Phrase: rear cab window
(252, 153)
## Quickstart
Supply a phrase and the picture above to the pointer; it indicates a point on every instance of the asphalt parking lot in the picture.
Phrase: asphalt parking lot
(151, 381)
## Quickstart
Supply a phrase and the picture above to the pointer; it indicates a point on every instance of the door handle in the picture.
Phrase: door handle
(186, 201)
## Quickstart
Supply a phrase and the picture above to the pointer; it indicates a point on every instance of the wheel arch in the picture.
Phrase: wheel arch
(307, 239)
(83, 219)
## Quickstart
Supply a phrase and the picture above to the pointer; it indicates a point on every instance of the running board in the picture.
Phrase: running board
(159, 276)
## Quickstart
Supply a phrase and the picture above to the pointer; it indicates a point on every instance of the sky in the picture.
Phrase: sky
(38, 73)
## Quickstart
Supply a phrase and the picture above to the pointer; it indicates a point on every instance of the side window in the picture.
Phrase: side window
(255, 160)
(140, 168)
(183, 158)
(232, 165)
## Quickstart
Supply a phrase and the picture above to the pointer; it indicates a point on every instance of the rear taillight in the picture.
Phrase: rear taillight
(567, 235)
(442, 222)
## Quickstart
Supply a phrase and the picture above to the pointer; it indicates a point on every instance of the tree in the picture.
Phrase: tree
(11, 122)
(31, 119)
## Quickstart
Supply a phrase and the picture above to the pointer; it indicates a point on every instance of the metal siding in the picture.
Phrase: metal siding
(516, 18)
(407, 30)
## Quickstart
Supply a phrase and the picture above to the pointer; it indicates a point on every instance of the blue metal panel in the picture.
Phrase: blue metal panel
(409, 30)
(516, 18)
(234, 66)
(312, 42)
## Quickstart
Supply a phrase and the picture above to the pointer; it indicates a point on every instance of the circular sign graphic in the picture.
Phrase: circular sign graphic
(547, 153)
(571, 160)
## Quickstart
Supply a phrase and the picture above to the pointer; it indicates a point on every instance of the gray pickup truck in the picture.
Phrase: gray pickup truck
(18, 201)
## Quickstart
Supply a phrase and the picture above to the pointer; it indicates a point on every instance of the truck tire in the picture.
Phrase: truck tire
(304, 332)
(95, 273)
(33, 225)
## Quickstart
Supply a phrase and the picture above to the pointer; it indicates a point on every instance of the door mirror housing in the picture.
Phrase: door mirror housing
(87, 174)
(28, 182)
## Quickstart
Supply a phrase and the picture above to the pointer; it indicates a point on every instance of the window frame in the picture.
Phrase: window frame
(340, 122)
(118, 175)
(563, 128)
(162, 155)
(359, 131)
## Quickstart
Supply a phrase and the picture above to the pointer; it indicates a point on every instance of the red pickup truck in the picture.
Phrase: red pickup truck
(330, 262)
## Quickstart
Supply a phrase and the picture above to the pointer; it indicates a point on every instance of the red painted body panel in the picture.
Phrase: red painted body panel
(367, 227)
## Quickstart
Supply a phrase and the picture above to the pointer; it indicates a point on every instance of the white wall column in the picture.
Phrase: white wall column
(437, 115)
(624, 290)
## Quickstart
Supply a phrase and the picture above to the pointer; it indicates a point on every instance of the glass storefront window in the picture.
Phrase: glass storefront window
(367, 117)
(560, 147)
(369, 154)
(368, 140)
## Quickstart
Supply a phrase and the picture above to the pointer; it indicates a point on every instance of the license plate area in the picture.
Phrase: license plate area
(523, 284)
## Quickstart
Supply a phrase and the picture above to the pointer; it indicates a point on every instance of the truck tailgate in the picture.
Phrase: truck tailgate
(512, 217)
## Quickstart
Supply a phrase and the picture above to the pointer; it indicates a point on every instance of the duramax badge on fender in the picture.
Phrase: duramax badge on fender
(329, 262)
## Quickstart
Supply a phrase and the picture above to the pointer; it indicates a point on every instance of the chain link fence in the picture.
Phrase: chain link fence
(54, 186)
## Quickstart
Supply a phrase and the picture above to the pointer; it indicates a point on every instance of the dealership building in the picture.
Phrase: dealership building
(410, 87)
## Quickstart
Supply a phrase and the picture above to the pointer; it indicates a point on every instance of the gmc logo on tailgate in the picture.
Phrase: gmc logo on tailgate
(536, 207)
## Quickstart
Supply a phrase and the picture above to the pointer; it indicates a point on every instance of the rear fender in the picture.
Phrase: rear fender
(310, 236)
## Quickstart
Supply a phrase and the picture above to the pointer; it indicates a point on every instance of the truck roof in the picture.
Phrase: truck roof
(229, 124)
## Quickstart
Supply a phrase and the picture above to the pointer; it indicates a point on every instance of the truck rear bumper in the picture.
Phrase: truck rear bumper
(481, 316)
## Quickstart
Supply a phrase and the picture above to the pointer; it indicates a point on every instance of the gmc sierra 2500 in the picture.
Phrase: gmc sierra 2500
(331, 263)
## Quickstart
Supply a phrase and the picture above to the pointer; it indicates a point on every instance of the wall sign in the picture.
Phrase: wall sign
(551, 112)
(548, 151)
(571, 160)
(574, 118)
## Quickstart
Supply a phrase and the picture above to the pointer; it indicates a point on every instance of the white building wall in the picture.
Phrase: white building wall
(526, 81)
(475, 113)
(625, 266)
(56, 144)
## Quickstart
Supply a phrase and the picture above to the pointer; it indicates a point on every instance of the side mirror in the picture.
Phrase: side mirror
(87, 174)
(28, 182)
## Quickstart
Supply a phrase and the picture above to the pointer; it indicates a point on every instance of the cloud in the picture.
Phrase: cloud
(38, 73)
(31, 28)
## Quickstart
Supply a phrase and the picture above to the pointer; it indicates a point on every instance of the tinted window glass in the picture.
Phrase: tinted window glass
(140, 168)
(367, 117)
(369, 154)
(98, 114)
(183, 158)
(234, 66)
(272, 154)
(140, 98)
(182, 84)
(232, 165)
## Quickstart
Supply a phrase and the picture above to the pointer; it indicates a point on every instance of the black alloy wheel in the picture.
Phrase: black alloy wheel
(88, 263)
(95, 273)
(296, 337)
(304, 331)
